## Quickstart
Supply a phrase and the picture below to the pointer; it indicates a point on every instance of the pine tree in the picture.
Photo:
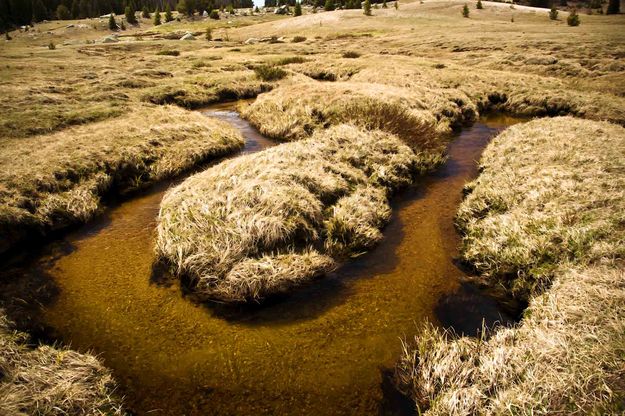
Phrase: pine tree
(614, 7)
(479, 5)
(329, 6)
(367, 8)
(553, 13)
(145, 13)
(573, 19)
(130, 15)
(465, 10)
(112, 22)
(298, 9)
(84, 9)
(39, 11)
(75, 9)
(168, 16)
(396, 4)
(63, 13)
(384, 5)
(157, 16)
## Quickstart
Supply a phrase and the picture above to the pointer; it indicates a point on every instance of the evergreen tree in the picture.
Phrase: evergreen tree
(84, 9)
(168, 16)
(367, 8)
(384, 5)
(145, 13)
(75, 9)
(298, 9)
(21, 11)
(123, 26)
(465, 10)
(573, 19)
(112, 22)
(157, 16)
(479, 5)
(329, 6)
(39, 11)
(553, 13)
(130, 14)
(63, 13)
(396, 4)
(614, 7)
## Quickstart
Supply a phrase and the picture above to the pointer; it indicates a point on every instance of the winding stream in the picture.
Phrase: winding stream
(326, 349)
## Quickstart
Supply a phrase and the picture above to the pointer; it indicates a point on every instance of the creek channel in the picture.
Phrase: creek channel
(326, 349)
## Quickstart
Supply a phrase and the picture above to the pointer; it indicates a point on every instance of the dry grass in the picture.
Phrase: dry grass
(47, 381)
(550, 191)
(50, 181)
(260, 224)
(548, 206)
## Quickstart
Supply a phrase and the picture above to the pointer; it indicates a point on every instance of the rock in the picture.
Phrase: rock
(252, 41)
(282, 10)
(68, 26)
(205, 14)
(188, 36)
(110, 39)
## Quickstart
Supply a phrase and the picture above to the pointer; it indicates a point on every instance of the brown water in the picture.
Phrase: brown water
(322, 351)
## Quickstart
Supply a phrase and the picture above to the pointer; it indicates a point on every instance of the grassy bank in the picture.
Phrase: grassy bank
(47, 380)
(261, 224)
(48, 182)
(544, 219)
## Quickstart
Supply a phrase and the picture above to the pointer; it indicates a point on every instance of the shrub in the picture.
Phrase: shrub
(214, 14)
(112, 22)
(479, 5)
(465, 11)
(367, 8)
(298, 9)
(168, 16)
(553, 13)
(157, 17)
(169, 53)
(269, 72)
(329, 6)
(298, 39)
(123, 26)
(396, 4)
(63, 13)
(51, 46)
(384, 5)
(130, 15)
(145, 13)
(573, 19)
(230, 9)
(351, 54)
(209, 33)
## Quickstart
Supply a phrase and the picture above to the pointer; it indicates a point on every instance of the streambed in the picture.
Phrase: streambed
(325, 349)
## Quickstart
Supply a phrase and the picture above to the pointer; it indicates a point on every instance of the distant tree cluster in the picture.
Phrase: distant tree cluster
(23, 12)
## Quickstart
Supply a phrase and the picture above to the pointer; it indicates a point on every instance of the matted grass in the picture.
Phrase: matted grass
(46, 380)
(546, 212)
(50, 181)
(263, 223)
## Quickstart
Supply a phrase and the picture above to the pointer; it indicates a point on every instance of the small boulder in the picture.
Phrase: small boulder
(188, 36)
(110, 39)
(252, 41)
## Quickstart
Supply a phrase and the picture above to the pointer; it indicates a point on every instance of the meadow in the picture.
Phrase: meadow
(362, 107)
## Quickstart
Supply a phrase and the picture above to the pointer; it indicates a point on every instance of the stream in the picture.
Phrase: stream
(326, 349)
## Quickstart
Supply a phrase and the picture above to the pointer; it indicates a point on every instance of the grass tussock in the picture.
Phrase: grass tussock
(260, 224)
(46, 380)
(548, 207)
(294, 112)
(202, 90)
(269, 73)
(550, 191)
(59, 179)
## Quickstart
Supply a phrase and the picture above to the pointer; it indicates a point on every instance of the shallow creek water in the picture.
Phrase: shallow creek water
(324, 350)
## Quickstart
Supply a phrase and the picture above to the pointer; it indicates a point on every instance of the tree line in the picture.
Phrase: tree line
(23, 12)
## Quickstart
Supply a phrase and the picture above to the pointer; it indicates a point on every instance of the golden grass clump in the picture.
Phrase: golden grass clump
(294, 111)
(550, 191)
(547, 207)
(566, 357)
(262, 223)
(50, 181)
(46, 380)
